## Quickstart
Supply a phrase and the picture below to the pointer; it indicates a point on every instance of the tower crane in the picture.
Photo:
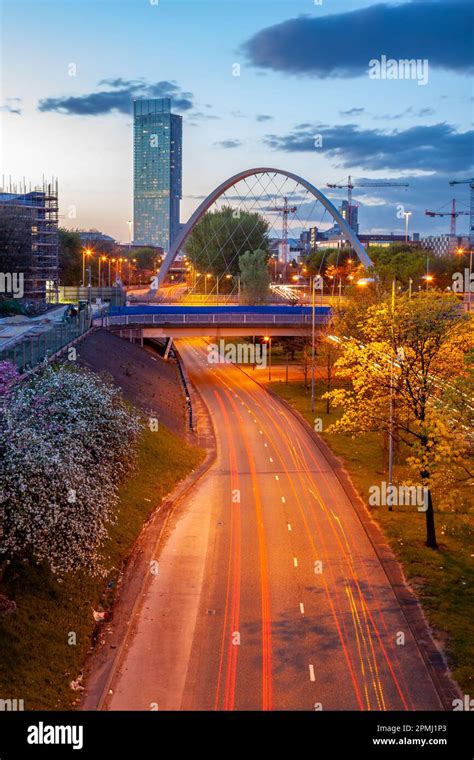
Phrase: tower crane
(285, 210)
(350, 186)
(469, 182)
(453, 214)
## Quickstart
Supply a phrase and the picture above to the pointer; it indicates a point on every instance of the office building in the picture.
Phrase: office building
(157, 172)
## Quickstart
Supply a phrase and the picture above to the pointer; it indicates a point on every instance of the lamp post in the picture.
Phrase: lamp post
(85, 252)
(268, 339)
(101, 258)
(390, 440)
(313, 351)
(129, 234)
(407, 215)
(461, 251)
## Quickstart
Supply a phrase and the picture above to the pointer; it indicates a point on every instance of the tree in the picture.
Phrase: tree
(70, 257)
(254, 277)
(67, 438)
(222, 236)
(147, 259)
(415, 350)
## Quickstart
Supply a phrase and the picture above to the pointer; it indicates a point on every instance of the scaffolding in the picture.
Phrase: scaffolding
(39, 210)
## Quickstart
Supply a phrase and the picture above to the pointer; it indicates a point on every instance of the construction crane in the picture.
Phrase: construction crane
(350, 186)
(285, 210)
(469, 182)
(453, 214)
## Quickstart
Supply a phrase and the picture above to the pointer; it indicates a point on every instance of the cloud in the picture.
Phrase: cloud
(228, 144)
(11, 105)
(117, 98)
(352, 112)
(263, 117)
(420, 113)
(342, 44)
(438, 147)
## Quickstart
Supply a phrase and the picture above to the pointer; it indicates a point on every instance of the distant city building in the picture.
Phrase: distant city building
(350, 214)
(157, 172)
(29, 223)
(443, 244)
(381, 240)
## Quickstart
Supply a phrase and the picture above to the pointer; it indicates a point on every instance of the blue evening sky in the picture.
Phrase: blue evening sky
(303, 72)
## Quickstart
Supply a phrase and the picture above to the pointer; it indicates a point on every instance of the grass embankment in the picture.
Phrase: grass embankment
(444, 579)
(36, 661)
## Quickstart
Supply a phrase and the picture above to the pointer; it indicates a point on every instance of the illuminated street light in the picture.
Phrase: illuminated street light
(85, 252)
(101, 258)
(268, 339)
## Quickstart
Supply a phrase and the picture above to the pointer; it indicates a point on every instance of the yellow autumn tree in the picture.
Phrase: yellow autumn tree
(409, 370)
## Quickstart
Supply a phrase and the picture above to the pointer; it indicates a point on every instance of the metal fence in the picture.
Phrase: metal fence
(33, 349)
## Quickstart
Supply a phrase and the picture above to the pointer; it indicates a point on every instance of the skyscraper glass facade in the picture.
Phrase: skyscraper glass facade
(157, 172)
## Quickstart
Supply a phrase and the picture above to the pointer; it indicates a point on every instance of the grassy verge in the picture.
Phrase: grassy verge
(37, 662)
(443, 580)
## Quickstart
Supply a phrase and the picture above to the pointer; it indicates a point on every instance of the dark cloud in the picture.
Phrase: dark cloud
(117, 98)
(438, 147)
(263, 117)
(228, 144)
(341, 44)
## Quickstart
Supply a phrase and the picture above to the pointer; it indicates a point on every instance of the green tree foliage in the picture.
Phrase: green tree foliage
(224, 235)
(147, 258)
(70, 257)
(254, 277)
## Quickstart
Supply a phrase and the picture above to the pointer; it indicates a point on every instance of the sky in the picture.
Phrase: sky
(70, 69)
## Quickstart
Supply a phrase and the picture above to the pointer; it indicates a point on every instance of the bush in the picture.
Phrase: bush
(67, 442)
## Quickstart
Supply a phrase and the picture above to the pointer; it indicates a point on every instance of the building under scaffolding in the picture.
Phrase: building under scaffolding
(31, 221)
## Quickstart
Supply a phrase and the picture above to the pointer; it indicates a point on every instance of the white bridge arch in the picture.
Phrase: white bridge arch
(222, 188)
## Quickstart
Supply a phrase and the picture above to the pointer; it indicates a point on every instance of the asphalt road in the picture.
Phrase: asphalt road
(269, 593)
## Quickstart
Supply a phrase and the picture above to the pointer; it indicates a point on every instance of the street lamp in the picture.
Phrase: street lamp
(390, 440)
(407, 215)
(101, 258)
(461, 251)
(129, 234)
(268, 339)
(85, 252)
(313, 348)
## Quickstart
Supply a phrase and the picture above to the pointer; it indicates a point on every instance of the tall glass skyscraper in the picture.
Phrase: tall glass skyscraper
(157, 172)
